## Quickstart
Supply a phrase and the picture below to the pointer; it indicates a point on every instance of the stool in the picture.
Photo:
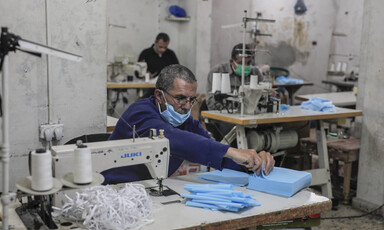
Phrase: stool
(346, 150)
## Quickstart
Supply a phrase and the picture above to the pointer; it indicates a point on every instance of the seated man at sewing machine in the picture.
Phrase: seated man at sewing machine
(158, 55)
(220, 101)
(234, 69)
(169, 109)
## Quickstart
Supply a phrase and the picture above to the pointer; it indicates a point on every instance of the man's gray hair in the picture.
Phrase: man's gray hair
(169, 73)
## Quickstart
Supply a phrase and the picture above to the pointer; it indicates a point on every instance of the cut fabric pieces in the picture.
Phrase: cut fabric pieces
(288, 80)
(226, 176)
(318, 104)
(281, 181)
(217, 197)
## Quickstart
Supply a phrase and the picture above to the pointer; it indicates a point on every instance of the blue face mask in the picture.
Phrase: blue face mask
(173, 117)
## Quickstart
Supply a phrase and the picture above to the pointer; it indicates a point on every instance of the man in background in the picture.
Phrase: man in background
(158, 55)
(234, 68)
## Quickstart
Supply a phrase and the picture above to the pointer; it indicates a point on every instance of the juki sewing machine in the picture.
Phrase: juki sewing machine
(152, 151)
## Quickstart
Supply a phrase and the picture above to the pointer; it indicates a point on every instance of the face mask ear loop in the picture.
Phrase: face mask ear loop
(165, 99)
(158, 103)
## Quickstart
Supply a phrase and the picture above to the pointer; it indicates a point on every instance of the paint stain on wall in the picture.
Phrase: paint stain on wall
(282, 55)
(300, 33)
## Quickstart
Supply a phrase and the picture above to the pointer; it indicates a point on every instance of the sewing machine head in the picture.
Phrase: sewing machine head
(124, 70)
(257, 99)
(153, 152)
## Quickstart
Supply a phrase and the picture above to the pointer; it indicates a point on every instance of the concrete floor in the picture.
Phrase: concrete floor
(366, 222)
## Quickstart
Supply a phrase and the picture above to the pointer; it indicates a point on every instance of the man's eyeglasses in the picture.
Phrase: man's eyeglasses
(181, 99)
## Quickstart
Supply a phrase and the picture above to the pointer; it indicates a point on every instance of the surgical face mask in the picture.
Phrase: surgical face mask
(173, 117)
(247, 69)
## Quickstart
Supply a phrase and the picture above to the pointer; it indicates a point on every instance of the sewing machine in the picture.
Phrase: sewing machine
(153, 152)
(125, 71)
(256, 100)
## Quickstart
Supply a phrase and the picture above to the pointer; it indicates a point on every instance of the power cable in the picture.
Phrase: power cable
(347, 217)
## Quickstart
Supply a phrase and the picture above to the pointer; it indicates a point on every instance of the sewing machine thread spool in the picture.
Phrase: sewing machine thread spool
(344, 67)
(338, 67)
(254, 81)
(332, 68)
(82, 164)
(41, 170)
(225, 83)
(216, 82)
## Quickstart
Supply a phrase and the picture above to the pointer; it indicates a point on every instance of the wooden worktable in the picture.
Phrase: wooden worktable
(291, 88)
(131, 85)
(342, 99)
(273, 208)
(294, 114)
(179, 216)
(320, 176)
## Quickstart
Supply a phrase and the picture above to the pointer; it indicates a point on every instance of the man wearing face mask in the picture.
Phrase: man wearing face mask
(234, 68)
(169, 109)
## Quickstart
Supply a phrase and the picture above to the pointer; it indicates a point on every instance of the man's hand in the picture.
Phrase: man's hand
(252, 160)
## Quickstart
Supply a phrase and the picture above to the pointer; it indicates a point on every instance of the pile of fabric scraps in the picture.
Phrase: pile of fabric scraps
(318, 104)
(217, 197)
(103, 207)
(288, 80)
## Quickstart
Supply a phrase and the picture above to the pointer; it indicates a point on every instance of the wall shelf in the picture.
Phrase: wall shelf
(178, 19)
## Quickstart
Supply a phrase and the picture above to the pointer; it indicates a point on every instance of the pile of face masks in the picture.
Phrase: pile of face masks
(217, 197)
(288, 80)
(318, 104)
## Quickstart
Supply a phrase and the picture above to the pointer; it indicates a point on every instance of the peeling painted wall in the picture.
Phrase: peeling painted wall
(300, 43)
(77, 90)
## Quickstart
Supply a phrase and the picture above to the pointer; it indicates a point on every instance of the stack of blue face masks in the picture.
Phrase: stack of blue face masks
(288, 80)
(318, 104)
(226, 176)
(281, 181)
(217, 197)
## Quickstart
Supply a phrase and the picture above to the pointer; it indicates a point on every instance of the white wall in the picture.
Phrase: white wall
(77, 90)
(370, 181)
